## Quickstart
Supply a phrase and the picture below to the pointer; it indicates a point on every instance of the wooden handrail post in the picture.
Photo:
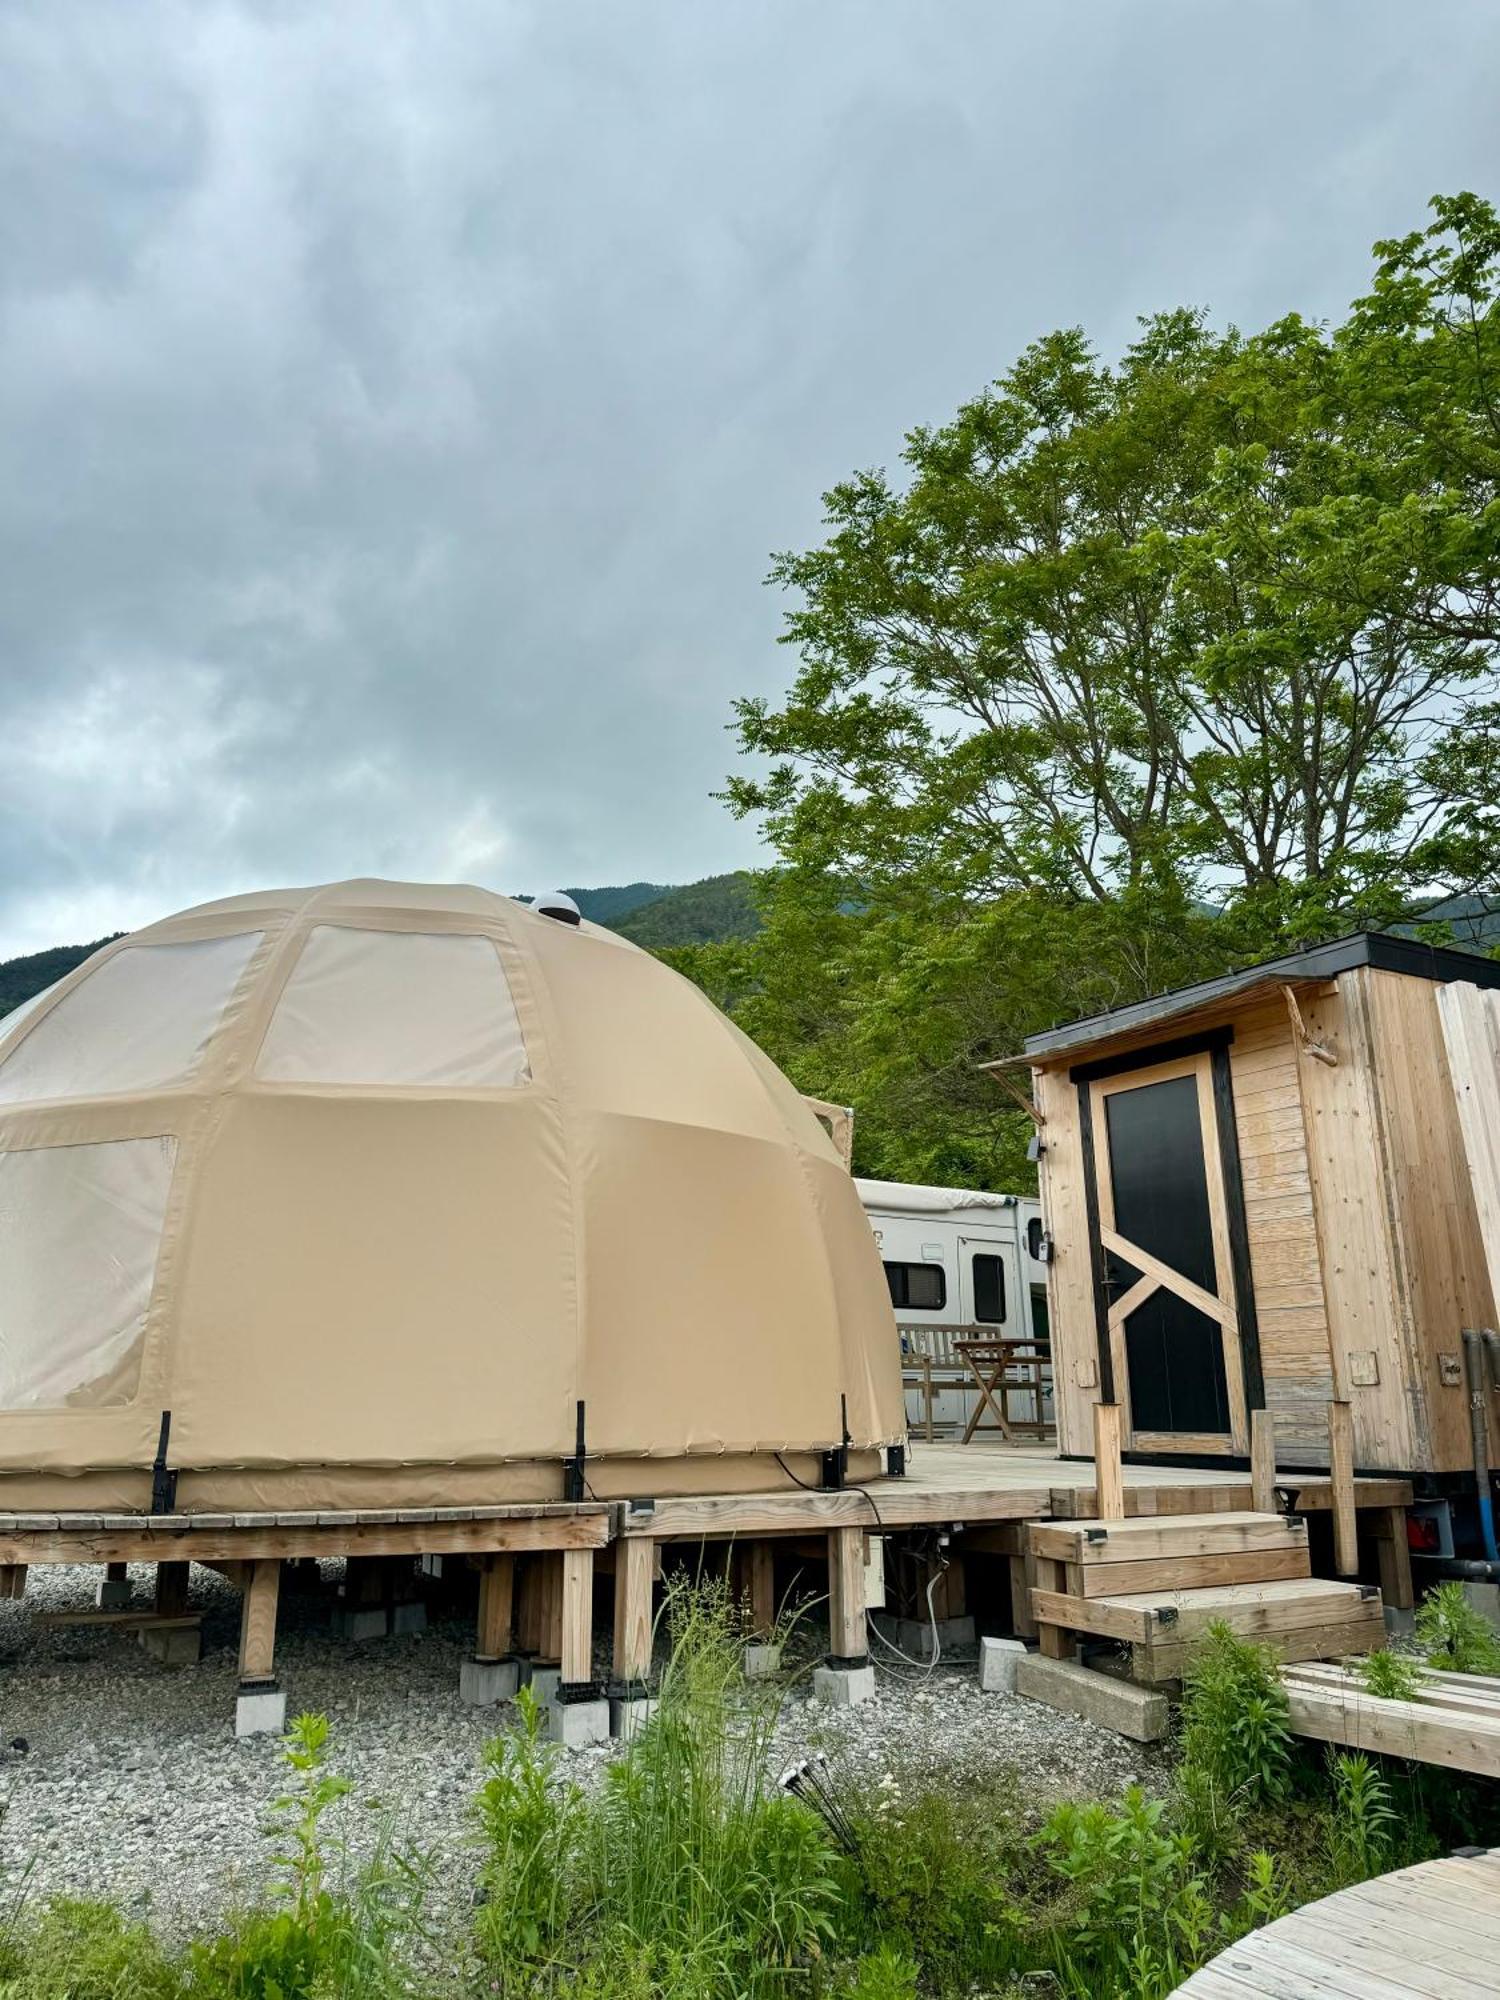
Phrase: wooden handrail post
(1341, 1482)
(1262, 1462)
(1109, 1477)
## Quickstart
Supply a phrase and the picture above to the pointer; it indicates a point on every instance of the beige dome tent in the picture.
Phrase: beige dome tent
(352, 1196)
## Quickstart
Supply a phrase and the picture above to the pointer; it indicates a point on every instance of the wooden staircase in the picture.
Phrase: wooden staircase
(1156, 1583)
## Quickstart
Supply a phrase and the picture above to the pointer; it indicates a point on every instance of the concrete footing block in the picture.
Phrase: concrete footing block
(998, 1659)
(843, 1687)
(543, 1681)
(762, 1662)
(628, 1713)
(1137, 1712)
(914, 1635)
(481, 1683)
(260, 1711)
(1399, 1624)
(408, 1618)
(1485, 1598)
(113, 1594)
(173, 1645)
(367, 1621)
(576, 1724)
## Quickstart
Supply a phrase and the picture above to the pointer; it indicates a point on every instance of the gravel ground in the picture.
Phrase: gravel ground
(131, 1783)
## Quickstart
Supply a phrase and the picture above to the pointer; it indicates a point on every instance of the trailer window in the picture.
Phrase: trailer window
(917, 1287)
(989, 1290)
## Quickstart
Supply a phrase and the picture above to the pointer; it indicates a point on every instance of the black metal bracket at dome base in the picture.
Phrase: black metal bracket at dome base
(895, 1461)
(163, 1482)
(836, 1462)
(575, 1486)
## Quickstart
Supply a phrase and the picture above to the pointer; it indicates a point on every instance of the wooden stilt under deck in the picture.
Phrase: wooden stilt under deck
(258, 1621)
(576, 1616)
(496, 1596)
(846, 1594)
(172, 1589)
(635, 1570)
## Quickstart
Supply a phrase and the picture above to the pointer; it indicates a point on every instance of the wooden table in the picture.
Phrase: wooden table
(991, 1361)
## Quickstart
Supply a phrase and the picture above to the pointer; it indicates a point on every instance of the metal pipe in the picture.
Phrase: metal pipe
(1474, 1374)
(1468, 1568)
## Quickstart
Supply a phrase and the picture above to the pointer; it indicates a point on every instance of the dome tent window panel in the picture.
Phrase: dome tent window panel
(396, 1008)
(139, 1022)
(80, 1229)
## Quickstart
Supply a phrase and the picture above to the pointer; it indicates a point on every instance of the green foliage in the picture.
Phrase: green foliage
(1134, 673)
(718, 908)
(1136, 1915)
(319, 1939)
(1455, 1637)
(1362, 1819)
(1236, 1733)
(688, 1874)
(79, 1950)
(936, 1870)
(532, 1825)
(884, 1974)
(1391, 1675)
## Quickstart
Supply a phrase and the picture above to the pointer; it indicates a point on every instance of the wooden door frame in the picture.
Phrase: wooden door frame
(1234, 1307)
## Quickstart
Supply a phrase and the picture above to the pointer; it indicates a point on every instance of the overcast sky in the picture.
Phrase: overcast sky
(400, 401)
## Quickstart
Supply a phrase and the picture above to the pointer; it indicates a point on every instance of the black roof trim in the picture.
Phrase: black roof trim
(1320, 961)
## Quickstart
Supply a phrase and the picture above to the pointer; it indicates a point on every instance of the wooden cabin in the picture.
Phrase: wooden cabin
(1257, 1196)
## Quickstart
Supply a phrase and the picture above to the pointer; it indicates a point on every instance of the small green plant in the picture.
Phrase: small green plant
(1236, 1731)
(1456, 1638)
(884, 1974)
(1390, 1675)
(331, 1932)
(1137, 1916)
(532, 1827)
(1268, 1893)
(1361, 1819)
(78, 1950)
(935, 1864)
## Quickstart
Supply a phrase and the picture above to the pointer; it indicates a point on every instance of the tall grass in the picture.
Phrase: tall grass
(690, 1873)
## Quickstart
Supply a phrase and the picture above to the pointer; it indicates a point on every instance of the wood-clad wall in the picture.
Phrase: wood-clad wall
(1404, 1262)
(1365, 1250)
(1070, 1277)
(1264, 1068)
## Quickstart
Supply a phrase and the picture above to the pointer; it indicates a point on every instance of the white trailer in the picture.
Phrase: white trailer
(959, 1263)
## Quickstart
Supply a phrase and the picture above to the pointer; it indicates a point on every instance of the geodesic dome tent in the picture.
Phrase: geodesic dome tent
(370, 1186)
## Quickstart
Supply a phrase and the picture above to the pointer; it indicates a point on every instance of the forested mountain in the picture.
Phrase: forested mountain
(20, 978)
(654, 914)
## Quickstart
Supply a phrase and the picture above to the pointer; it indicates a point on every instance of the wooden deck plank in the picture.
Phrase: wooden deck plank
(1422, 1933)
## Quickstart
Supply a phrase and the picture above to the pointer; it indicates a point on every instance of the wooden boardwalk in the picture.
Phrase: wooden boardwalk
(1432, 1932)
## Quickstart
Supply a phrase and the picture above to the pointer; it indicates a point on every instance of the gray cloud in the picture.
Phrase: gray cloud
(399, 400)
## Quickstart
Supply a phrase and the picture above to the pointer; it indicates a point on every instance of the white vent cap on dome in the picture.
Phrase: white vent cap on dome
(559, 905)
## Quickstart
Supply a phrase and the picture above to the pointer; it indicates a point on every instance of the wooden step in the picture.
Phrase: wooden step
(1253, 1610)
(1145, 1537)
(1154, 1574)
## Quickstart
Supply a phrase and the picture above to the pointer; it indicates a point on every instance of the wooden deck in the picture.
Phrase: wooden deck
(536, 1558)
(1432, 1931)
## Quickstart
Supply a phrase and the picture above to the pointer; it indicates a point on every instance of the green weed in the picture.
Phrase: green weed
(1390, 1675)
(1236, 1734)
(1455, 1637)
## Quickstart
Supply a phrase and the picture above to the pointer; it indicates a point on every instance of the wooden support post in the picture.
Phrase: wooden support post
(1109, 1477)
(1054, 1642)
(496, 1600)
(846, 1594)
(366, 1582)
(1022, 1582)
(117, 1572)
(635, 1569)
(1393, 1552)
(1262, 1462)
(529, 1614)
(172, 1589)
(550, 1595)
(1341, 1484)
(761, 1580)
(575, 1607)
(258, 1621)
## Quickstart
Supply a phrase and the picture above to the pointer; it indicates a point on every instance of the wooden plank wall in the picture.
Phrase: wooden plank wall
(1265, 1070)
(1070, 1278)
